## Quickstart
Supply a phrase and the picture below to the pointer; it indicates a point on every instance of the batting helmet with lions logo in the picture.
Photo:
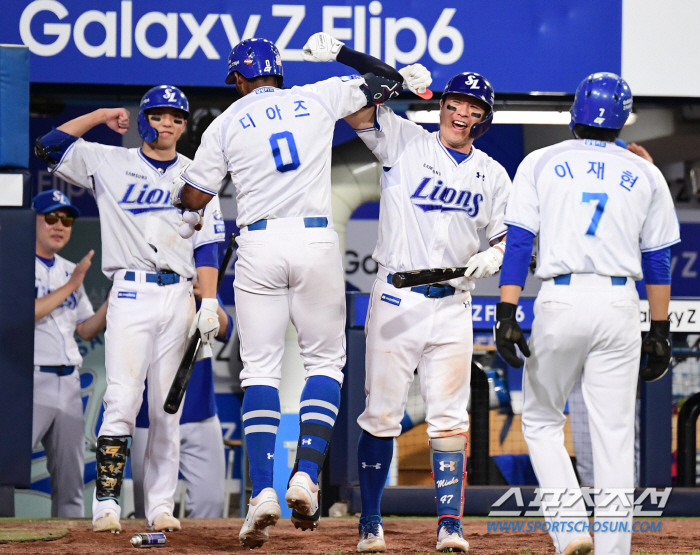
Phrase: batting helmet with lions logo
(163, 96)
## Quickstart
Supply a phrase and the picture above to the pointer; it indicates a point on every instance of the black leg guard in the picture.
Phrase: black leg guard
(111, 460)
(307, 522)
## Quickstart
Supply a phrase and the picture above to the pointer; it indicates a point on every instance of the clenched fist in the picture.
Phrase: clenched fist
(321, 47)
(416, 78)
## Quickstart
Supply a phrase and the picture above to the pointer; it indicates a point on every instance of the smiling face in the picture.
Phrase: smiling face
(458, 113)
(51, 238)
(170, 124)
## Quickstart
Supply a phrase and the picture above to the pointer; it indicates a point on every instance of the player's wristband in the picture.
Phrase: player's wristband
(505, 311)
(660, 327)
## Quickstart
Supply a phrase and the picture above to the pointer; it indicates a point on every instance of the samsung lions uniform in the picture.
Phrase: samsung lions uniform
(433, 203)
(596, 208)
(58, 408)
(151, 304)
(276, 146)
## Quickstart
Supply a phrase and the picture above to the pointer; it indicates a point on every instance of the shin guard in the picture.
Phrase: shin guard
(448, 459)
(112, 453)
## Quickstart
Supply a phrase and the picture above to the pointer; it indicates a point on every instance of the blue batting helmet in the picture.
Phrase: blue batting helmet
(477, 86)
(254, 58)
(602, 100)
(160, 97)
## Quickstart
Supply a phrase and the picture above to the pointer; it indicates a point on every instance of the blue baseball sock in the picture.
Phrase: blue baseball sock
(318, 410)
(261, 418)
(373, 461)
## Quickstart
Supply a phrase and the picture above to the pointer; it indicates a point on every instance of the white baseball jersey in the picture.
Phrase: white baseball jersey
(139, 223)
(595, 206)
(432, 207)
(54, 342)
(276, 145)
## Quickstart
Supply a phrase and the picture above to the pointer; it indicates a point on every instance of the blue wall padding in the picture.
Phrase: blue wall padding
(14, 106)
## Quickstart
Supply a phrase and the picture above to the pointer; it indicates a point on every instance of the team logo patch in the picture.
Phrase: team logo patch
(391, 300)
(126, 295)
(219, 228)
(248, 61)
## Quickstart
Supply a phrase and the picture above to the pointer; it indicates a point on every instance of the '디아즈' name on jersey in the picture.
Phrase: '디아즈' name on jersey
(144, 198)
(438, 197)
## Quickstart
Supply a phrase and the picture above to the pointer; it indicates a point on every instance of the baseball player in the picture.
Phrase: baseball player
(289, 264)
(61, 309)
(202, 463)
(604, 217)
(151, 307)
(437, 192)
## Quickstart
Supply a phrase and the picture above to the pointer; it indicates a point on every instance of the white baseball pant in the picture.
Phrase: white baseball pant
(202, 465)
(59, 424)
(433, 335)
(289, 271)
(590, 329)
(147, 327)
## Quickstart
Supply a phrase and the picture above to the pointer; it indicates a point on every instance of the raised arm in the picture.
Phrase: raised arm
(116, 119)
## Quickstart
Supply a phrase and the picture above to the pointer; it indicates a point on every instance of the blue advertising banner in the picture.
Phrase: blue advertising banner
(520, 46)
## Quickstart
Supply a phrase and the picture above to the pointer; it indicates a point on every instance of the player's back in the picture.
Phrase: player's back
(277, 145)
(595, 206)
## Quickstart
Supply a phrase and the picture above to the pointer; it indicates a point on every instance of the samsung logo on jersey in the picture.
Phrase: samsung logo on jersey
(145, 198)
(445, 199)
(261, 90)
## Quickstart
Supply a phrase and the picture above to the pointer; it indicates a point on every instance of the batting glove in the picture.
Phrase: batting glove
(507, 334)
(207, 321)
(484, 264)
(416, 78)
(190, 223)
(321, 47)
(657, 348)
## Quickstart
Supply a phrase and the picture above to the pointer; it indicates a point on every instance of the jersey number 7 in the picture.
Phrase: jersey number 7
(602, 200)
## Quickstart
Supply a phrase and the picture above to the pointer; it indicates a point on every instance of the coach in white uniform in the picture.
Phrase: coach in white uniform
(151, 305)
(604, 217)
(276, 146)
(437, 192)
(61, 309)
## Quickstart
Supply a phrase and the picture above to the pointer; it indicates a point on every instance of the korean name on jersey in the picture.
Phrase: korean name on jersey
(139, 224)
(276, 145)
(432, 206)
(596, 207)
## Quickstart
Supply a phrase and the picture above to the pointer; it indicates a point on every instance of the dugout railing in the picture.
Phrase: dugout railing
(340, 477)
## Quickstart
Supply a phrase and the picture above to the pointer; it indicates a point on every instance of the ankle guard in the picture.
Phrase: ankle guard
(111, 460)
(314, 456)
(448, 459)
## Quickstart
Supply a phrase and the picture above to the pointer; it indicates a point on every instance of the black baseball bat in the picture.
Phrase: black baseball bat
(425, 277)
(184, 371)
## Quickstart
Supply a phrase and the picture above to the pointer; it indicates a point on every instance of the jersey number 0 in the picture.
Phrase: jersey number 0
(284, 151)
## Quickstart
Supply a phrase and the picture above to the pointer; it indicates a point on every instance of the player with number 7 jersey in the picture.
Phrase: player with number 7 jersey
(276, 146)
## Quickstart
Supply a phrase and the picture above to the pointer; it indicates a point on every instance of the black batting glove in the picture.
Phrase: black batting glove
(657, 348)
(507, 333)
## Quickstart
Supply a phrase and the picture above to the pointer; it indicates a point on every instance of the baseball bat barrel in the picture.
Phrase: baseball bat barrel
(413, 278)
(184, 371)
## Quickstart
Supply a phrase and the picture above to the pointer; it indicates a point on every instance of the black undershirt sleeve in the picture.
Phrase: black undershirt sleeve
(364, 63)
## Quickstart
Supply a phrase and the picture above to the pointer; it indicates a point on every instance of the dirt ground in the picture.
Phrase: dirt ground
(403, 535)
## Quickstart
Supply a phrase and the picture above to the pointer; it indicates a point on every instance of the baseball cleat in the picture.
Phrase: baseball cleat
(371, 535)
(165, 522)
(303, 498)
(580, 546)
(108, 522)
(451, 536)
(263, 511)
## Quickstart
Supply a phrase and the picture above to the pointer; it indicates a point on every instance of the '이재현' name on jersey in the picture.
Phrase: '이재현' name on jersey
(144, 198)
(436, 196)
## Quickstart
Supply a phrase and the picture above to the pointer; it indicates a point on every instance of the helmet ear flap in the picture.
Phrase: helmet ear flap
(146, 131)
(478, 129)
